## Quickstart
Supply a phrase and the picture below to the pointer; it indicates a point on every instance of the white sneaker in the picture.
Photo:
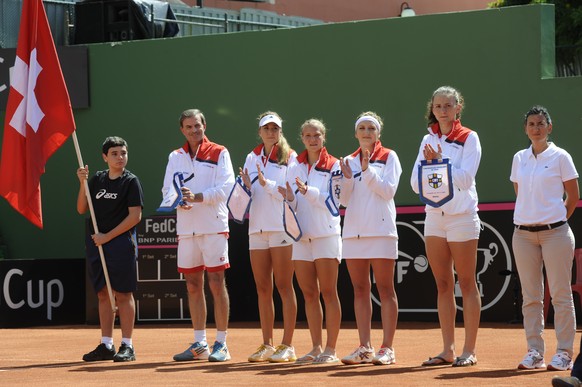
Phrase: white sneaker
(561, 362)
(532, 360)
(263, 353)
(196, 351)
(384, 356)
(283, 354)
(359, 356)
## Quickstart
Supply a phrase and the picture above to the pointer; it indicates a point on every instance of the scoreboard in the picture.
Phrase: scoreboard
(161, 291)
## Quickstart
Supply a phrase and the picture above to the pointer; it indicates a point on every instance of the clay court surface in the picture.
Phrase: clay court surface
(52, 356)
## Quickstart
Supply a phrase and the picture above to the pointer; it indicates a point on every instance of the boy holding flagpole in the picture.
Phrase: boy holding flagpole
(117, 199)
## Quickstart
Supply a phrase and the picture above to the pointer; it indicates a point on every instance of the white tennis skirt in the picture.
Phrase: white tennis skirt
(370, 247)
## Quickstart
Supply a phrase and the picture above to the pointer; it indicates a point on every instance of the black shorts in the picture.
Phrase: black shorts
(120, 257)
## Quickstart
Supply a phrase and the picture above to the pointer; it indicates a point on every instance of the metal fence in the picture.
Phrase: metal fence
(60, 14)
(192, 20)
(204, 21)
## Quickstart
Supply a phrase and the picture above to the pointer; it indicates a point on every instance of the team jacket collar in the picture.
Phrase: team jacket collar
(435, 130)
(377, 145)
(272, 156)
(205, 144)
(321, 163)
(457, 135)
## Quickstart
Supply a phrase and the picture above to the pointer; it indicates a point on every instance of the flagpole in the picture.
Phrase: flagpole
(92, 211)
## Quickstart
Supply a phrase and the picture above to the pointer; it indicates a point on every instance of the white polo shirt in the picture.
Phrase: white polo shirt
(540, 185)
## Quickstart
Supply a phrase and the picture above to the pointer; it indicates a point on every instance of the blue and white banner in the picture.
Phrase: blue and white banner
(239, 201)
(435, 182)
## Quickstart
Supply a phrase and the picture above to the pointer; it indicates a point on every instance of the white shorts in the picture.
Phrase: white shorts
(454, 228)
(312, 249)
(370, 247)
(267, 239)
(202, 252)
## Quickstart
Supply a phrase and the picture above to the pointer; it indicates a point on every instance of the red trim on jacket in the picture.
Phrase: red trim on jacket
(273, 155)
(207, 152)
(379, 155)
(325, 162)
(458, 134)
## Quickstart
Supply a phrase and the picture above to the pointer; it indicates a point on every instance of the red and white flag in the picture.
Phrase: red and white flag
(39, 118)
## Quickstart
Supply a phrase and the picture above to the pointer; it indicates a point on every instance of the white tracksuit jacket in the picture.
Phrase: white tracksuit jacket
(266, 212)
(369, 196)
(315, 219)
(463, 149)
(211, 173)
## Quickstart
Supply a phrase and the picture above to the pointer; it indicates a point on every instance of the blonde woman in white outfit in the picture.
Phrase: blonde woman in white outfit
(270, 247)
(316, 256)
(543, 175)
(370, 179)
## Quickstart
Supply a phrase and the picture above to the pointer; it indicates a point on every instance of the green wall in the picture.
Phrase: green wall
(501, 59)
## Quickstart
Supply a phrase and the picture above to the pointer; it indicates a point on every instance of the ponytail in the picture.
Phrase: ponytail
(283, 150)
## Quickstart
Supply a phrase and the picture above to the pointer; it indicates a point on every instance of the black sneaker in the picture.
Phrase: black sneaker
(125, 353)
(100, 353)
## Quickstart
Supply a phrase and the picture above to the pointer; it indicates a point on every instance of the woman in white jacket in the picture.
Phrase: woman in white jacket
(370, 179)
(312, 189)
(452, 230)
(270, 247)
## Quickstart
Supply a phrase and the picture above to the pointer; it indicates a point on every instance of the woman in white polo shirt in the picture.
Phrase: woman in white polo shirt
(546, 184)
(270, 247)
(312, 184)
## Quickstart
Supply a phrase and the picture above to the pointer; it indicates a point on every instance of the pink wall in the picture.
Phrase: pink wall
(345, 10)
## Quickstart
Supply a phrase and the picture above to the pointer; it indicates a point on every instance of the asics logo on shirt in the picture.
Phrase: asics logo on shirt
(105, 195)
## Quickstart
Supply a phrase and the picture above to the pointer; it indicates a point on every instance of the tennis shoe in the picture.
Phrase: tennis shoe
(219, 352)
(561, 361)
(100, 353)
(196, 351)
(263, 353)
(126, 353)
(283, 354)
(385, 356)
(359, 356)
(532, 360)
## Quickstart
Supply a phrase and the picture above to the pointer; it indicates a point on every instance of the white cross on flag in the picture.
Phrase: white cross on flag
(38, 119)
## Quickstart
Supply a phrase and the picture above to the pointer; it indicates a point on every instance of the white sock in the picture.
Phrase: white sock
(127, 341)
(108, 341)
(221, 336)
(200, 336)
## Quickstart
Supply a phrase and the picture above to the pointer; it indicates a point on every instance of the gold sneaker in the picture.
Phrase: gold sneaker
(283, 354)
(262, 353)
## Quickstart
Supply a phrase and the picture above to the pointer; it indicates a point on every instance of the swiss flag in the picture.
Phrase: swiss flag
(38, 114)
